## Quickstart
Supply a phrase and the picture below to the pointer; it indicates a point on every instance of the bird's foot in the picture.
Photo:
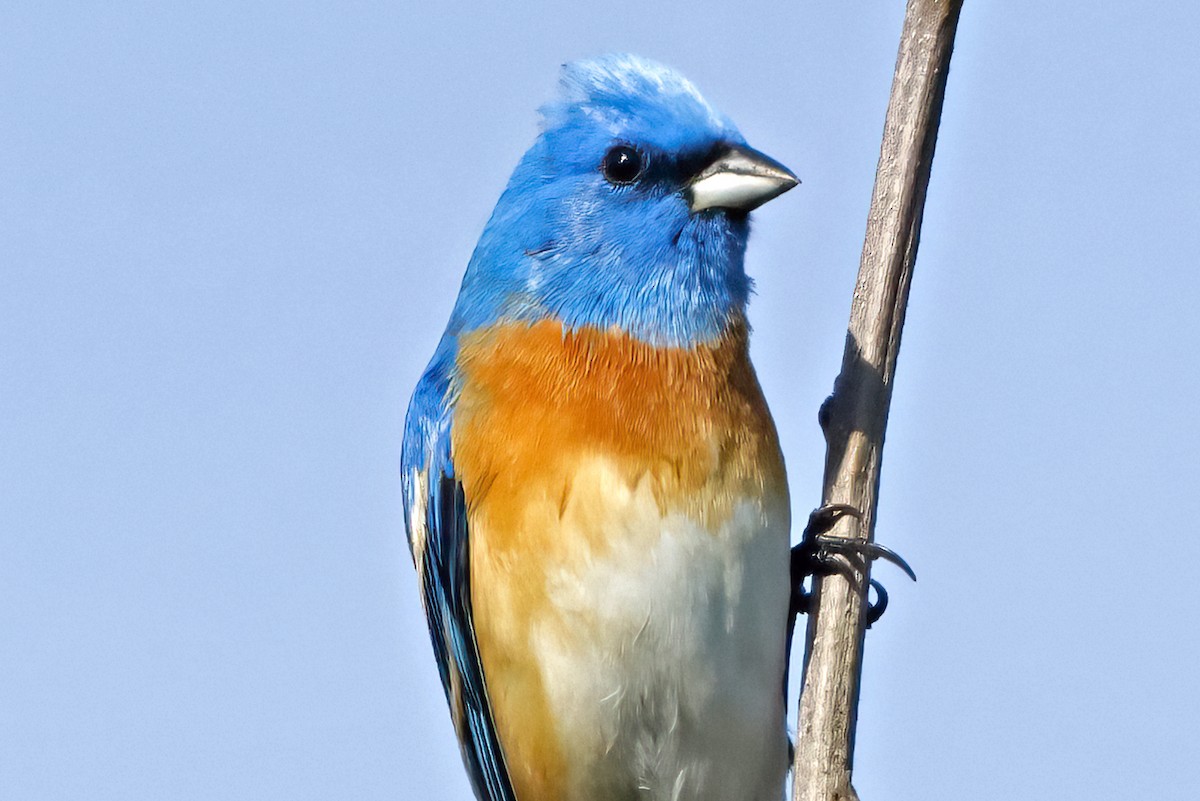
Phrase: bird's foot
(820, 553)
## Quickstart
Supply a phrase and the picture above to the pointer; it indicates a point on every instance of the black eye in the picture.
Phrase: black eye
(622, 165)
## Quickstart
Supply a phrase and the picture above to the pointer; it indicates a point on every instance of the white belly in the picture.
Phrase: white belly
(665, 658)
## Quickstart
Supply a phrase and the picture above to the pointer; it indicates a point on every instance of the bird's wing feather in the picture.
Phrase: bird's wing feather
(436, 517)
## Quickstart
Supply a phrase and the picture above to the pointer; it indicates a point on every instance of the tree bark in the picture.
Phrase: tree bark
(854, 418)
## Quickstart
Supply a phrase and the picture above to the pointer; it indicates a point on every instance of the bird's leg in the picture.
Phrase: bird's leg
(820, 553)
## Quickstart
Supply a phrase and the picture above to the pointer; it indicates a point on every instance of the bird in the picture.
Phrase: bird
(594, 491)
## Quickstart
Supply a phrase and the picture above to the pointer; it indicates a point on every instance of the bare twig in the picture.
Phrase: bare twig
(855, 416)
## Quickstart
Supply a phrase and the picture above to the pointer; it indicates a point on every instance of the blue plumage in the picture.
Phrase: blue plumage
(659, 257)
(565, 242)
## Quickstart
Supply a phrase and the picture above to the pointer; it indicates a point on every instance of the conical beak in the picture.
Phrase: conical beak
(740, 179)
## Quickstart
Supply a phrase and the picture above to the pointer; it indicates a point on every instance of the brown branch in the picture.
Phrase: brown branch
(854, 418)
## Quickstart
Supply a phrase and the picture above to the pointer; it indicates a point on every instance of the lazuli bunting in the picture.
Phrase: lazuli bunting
(594, 491)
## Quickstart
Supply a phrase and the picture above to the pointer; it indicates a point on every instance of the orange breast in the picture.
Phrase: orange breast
(534, 404)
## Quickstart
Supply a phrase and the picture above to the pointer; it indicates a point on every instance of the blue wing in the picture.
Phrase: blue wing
(436, 518)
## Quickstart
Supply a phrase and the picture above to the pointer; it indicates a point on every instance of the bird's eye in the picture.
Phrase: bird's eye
(622, 165)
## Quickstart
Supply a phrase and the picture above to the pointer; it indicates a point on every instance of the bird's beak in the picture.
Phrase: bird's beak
(738, 178)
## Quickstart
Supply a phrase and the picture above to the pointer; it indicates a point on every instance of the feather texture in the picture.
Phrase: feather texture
(594, 492)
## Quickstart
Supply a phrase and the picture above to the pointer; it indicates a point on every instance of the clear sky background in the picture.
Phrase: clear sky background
(230, 234)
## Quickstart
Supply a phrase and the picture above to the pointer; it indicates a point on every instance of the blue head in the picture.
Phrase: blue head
(630, 210)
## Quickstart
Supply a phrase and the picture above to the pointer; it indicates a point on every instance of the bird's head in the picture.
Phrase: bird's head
(629, 211)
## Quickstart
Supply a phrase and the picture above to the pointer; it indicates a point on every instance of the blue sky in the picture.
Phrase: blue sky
(230, 235)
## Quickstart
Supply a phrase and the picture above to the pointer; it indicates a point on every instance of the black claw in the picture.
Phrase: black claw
(818, 553)
(876, 610)
(867, 550)
(823, 518)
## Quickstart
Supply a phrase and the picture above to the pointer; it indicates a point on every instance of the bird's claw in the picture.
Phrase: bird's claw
(876, 610)
(828, 546)
(818, 553)
(822, 519)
